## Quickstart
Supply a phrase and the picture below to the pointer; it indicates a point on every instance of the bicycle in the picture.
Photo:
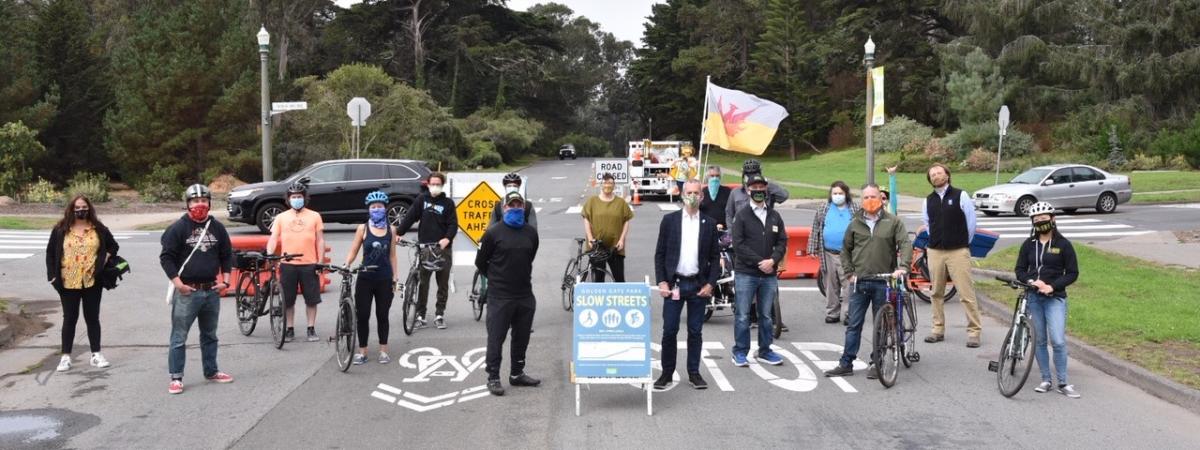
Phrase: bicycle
(252, 306)
(1016, 354)
(723, 295)
(580, 267)
(478, 296)
(895, 330)
(345, 333)
(428, 257)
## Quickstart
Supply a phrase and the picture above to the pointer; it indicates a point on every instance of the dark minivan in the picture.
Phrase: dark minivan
(336, 190)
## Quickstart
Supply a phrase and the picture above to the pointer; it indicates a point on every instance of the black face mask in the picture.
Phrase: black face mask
(1044, 226)
(758, 196)
(81, 213)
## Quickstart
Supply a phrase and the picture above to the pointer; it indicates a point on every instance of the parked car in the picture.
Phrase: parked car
(336, 190)
(1068, 187)
(566, 151)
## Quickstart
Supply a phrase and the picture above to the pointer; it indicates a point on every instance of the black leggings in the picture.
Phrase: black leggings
(71, 300)
(616, 265)
(364, 290)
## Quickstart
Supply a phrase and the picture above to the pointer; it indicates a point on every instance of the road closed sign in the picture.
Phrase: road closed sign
(475, 211)
(619, 168)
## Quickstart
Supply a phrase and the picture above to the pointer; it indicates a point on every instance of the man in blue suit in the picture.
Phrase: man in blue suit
(686, 266)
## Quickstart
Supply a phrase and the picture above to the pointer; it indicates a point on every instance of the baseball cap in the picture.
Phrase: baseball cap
(755, 179)
(513, 196)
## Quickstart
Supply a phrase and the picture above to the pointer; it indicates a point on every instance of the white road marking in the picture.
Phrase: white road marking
(555, 199)
(1082, 235)
(537, 209)
(799, 289)
(574, 209)
(1065, 228)
(15, 255)
(558, 178)
(21, 247)
(1019, 221)
(668, 207)
(384, 397)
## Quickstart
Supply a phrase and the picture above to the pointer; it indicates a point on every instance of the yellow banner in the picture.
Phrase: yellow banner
(877, 85)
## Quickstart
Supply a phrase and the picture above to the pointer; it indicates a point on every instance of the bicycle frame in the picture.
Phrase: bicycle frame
(1020, 314)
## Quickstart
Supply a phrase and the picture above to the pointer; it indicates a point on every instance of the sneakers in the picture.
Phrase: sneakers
(739, 359)
(664, 381)
(384, 358)
(935, 338)
(64, 364)
(1068, 390)
(769, 357)
(289, 335)
(972, 341)
(495, 387)
(99, 361)
(312, 335)
(697, 381)
(784, 328)
(440, 322)
(176, 387)
(1043, 388)
(359, 359)
(840, 371)
(872, 372)
(220, 377)
(524, 380)
(831, 320)
(420, 323)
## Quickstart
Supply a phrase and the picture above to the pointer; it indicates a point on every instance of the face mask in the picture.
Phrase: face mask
(758, 196)
(872, 205)
(691, 201)
(81, 214)
(838, 199)
(714, 185)
(198, 212)
(435, 190)
(297, 203)
(508, 189)
(608, 189)
(514, 217)
(1044, 226)
(378, 217)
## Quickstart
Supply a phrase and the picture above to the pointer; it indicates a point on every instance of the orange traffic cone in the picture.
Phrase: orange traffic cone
(637, 198)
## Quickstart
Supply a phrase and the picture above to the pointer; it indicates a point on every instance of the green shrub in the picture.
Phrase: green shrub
(915, 162)
(1185, 142)
(1179, 162)
(1142, 161)
(162, 184)
(18, 147)
(484, 155)
(92, 185)
(585, 145)
(985, 135)
(980, 160)
(936, 150)
(42, 191)
(901, 133)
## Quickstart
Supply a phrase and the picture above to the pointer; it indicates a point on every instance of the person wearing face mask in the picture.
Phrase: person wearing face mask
(506, 253)
(606, 217)
(828, 229)
(714, 197)
(949, 215)
(869, 248)
(375, 240)
(760, 244)
(1047, 261)
(197, 257)
(299, 231)
(439, 224)
(739, 198)
(512, 183)
(76, 252)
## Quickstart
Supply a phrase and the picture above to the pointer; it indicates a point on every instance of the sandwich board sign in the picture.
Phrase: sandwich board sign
(611, 336)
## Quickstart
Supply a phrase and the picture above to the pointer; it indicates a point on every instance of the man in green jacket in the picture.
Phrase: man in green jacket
(869, 250)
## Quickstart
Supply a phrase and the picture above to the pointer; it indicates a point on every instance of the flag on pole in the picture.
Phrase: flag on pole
(740, 122)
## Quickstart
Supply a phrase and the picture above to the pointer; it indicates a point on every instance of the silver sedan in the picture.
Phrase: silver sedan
(1068, 187)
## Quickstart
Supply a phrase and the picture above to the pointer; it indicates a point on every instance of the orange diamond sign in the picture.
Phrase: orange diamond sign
(475, 211)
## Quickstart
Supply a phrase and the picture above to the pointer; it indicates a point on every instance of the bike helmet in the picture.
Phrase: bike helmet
(512, 178)
(751, 166)
(725, 241)
(197, 191)
(1040, 208)
(377, 197)
(297, 188)
(432, 261)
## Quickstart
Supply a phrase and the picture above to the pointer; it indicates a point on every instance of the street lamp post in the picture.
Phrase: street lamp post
(869, 61)
(264, 49)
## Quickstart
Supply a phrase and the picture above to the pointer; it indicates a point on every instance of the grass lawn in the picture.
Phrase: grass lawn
(1192, 196)
(157, 226)
(27, 222)
(1135, 309)
(1164, 181)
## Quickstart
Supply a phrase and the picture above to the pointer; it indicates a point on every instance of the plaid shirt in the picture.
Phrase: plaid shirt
(816, 241)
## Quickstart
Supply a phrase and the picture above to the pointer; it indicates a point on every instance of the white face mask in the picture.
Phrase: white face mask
(838, 199)
(510, 188)
(435, 190)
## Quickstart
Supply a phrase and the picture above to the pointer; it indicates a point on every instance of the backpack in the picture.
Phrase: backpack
(114, 270)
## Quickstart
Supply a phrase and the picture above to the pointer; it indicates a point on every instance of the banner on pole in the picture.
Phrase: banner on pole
(877, 110)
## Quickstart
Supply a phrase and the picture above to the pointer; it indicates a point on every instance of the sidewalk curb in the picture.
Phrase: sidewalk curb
(1154, 384)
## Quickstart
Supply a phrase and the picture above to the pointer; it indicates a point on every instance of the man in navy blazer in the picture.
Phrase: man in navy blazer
(686, 266)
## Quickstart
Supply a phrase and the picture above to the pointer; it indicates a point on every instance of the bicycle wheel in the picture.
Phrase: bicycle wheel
(777, 317)
(271, 293)
(908, 352)
(478, 293)
(410, 304)
(886, 348)
(1015, 360)
(346, 337)
(247, 311)
(568, 284)
(924, 290)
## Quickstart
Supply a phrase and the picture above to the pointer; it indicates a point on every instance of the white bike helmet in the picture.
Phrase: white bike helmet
(1040, 208)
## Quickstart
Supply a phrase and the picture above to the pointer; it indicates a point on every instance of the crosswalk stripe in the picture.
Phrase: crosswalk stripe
(21, 247)
(1066, 228)
(47, 232)
(668, 207)
(1083, 235)
(574, 209)
(15, 255)
(1026, 221)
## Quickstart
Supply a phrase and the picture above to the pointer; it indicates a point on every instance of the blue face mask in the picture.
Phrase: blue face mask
(515, 217)
(714, 185)
(378, 217)
(297, 203)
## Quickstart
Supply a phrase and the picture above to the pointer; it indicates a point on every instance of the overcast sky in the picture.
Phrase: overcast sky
(622, 18)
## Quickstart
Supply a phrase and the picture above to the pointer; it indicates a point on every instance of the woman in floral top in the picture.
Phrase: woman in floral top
(78, 247)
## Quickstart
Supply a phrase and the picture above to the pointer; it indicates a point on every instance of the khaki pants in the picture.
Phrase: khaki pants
(836, 287)
(958, 264)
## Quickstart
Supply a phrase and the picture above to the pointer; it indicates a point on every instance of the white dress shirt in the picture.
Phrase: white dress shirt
(760, 211)
(689, 244)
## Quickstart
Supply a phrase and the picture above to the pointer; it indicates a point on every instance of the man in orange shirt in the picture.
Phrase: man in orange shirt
(299, 231)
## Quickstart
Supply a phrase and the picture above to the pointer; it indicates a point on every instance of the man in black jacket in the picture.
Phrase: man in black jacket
(506, 254)
(760, 244)
(439, 224)
(686, 265)
(197, 257)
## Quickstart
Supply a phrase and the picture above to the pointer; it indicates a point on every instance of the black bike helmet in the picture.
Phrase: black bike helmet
(197, 191)
(751, 166)
(297, 188)
(512, 178)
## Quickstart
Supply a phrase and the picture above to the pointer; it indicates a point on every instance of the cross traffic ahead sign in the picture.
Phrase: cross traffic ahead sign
(475, 211)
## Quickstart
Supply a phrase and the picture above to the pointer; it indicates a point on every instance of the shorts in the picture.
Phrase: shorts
(303, 276)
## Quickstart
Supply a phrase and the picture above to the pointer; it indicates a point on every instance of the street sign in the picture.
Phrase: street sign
(1003, 120)
(475, 211)
(289, 106)
(611, 336)
(619, 168)
(359, 109)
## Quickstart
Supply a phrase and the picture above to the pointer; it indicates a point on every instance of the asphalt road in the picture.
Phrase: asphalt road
(432, 394)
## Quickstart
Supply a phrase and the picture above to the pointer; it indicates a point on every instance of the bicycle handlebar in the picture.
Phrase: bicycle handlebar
(268, 257)
(884, 276)
(346, 270)
(1013, 283)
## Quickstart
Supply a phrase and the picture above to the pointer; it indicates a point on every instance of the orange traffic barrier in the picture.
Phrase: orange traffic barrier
(798, 263)
(258, 243)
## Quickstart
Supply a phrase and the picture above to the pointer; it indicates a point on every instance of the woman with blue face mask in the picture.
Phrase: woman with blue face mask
(828, 229)
(374, 238)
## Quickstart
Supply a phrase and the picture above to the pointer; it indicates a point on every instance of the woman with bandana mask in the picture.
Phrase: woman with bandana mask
(1047, 261)
(828, 229)
(375, 239)
(76, 252)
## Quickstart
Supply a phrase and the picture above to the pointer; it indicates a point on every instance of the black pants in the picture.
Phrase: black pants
(443, 283)
(503, 315)
(303, 276)
(616, 265)
(72, 299)
(364, 291)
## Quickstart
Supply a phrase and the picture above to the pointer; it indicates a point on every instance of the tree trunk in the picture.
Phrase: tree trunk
(792, 148)
(454, 86)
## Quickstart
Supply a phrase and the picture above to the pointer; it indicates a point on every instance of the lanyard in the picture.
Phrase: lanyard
(1040, 252)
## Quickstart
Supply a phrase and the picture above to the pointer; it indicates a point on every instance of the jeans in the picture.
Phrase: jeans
(186, 309)
(865, 291)
(672, 309)
(1049, 318)
(748, 287)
